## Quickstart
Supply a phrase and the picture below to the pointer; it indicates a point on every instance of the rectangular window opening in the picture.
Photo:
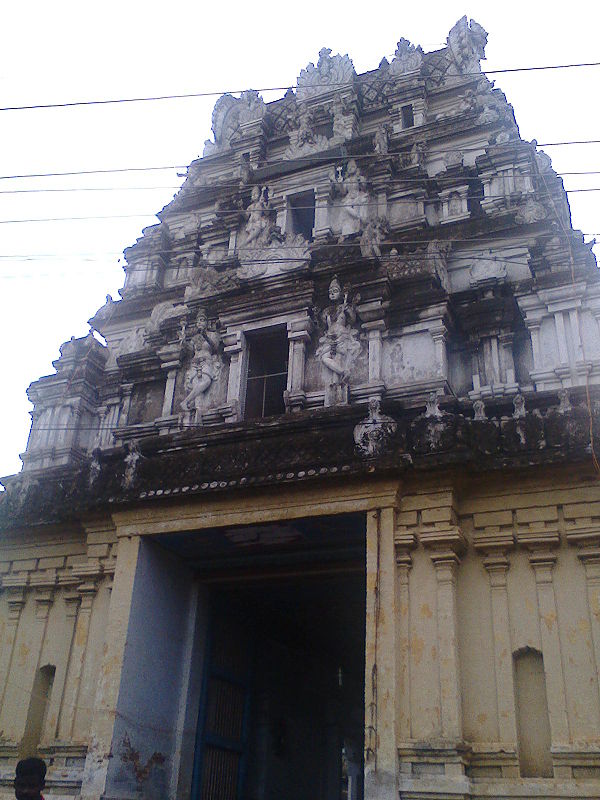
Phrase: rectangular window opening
(408, 117)
(267, 374)
(302, 214)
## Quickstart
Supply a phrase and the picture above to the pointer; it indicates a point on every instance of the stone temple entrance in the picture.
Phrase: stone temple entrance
(282, 707)
(281, 711)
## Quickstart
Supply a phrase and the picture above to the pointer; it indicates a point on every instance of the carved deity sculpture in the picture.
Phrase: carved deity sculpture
(264, 248)
(205, 365)
(381, 140)
(344, 119)
(259, 217)
(303, 138)
(354, 202)
(131, 462)
(339, 347)
(372, 236)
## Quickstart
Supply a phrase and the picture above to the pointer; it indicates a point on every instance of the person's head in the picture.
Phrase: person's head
(30, 779)
(335, 289)
(202, 320)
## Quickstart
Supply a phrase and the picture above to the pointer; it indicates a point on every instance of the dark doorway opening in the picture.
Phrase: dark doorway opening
(282, 712)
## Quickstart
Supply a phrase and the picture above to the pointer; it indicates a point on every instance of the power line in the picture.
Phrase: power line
(371, 204)
(90, 189)
(90, 172)
(299, 159)
(235, 184)
(189, 95)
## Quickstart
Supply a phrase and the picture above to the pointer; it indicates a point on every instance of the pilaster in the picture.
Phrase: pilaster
(537, 531)
(15, 587)
(235, 348)
(582, 529)
(443, 539)
(80, 605)
(103, 721)
(404, 541)
(493, 538)
(298, 337)
(380, 653)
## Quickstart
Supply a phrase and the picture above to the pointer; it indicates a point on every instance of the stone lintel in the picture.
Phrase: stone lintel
(99, 530)
(440, 751)
(43, 579)
(540, 539)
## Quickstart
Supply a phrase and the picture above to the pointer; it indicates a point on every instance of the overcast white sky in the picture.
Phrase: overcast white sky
(54, 275)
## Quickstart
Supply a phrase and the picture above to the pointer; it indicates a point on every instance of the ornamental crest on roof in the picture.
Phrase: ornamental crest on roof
(331, 72)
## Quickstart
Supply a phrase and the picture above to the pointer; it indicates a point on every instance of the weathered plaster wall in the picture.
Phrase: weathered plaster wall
(519, 551)
(154, 663)
(53, 609)
(473, 571)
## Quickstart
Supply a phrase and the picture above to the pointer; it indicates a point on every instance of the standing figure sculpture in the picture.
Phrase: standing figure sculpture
(259, 217)
(353, 209)
(339, 346)
(204, 367)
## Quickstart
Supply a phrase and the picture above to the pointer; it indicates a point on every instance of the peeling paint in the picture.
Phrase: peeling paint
(132, 756)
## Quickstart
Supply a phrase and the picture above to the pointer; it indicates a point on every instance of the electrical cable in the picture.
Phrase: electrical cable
(313, 158)
(189, 95)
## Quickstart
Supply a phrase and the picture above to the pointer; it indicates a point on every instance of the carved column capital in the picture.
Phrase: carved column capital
(443, 543)
(15, 587)
(542, 562)
(590, 558)
(497, 566)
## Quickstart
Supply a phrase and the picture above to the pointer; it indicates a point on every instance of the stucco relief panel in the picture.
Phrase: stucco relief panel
(408, 359)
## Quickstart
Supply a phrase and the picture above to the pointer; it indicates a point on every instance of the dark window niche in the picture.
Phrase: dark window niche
(408, 116)
(302, 213)
(267, 374)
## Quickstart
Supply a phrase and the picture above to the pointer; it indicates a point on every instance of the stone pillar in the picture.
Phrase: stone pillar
(508, 362)
(105, 707)
(82, 607)
(14, 586)
(170, 357)
(322, 230)
(444, 541)
(126, 392)
(235, 348)
(438, 334)
(446, 564)
(561, 336)
(380, 654)
(542, 562)
(496, 565)
(98, 439)
(171, 370)
(533, 326)
(372, 314)
(404, 542)
(590, 558)
(374, 331)
(298, 336)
